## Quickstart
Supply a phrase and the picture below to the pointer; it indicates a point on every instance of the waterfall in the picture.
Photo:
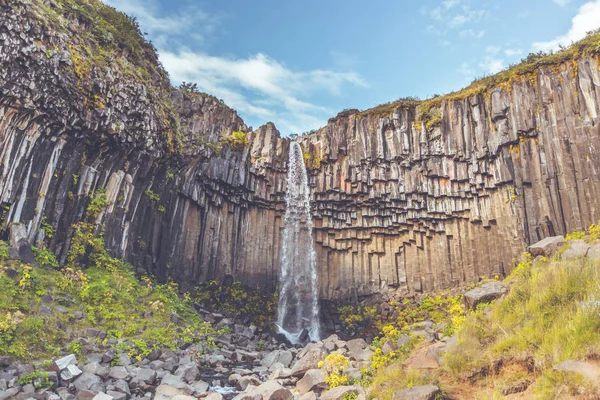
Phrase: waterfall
(298, 287)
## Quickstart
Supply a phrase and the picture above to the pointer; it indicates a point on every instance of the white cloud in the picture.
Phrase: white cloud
(470, 33)
(491, 64)
(454, 14)
(275, 91)
(259, 87)
(587, 19)
(191, 21)
(513, 52)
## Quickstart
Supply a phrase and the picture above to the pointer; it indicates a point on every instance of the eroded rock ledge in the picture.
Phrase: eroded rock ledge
(397, 202)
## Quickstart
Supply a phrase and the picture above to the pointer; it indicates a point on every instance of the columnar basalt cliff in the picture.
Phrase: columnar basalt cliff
(401, 198)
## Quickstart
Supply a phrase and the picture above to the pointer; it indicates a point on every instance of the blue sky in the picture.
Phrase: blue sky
(298, 63)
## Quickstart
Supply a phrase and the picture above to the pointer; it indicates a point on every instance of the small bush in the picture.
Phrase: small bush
(238, 140)
(575, 236)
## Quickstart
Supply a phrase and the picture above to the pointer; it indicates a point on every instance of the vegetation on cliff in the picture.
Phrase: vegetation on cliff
(429, 113)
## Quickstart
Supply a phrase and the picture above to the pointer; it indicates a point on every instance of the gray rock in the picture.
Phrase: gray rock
(109, 356)
(62, 363)
(271, 390)
(308, 396)
(124, 360)
(79, 315)
(417, 393)
(356, 345)
(577, 249)
(86, 395)
(245, 381)
(71, 372)
(103, 396)
(64, 393)
(309, 361)
(94, 357)
(214, 396)
(484, 294)
(166, 392)
(118, 372)
(189, 372)
(146, 375)
(594, 252)
(29, 388)
(585, 369)
(92, 367)
(156, 364)
(312, 381)
(8, 394)
(86, 380)
(388, 347)
(200, 387)
(121, 386)
(548, 246)
(45, 310)
(116, 395)
(338, 393)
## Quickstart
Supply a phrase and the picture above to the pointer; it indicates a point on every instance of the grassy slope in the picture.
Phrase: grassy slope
(111, 298)
(551, 314)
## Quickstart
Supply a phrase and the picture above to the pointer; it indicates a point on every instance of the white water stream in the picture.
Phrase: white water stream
(298, 295)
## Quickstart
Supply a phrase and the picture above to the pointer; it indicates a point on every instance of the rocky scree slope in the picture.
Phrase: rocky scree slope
(410, 196)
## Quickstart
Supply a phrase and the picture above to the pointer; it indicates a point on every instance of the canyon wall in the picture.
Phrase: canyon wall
(398, 202)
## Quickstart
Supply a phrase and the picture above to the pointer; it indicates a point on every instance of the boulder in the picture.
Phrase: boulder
(116, 395)
(62, 363)
(594, 252)
(20, 244)
(283, 357)
(118, 372)
(214, 396)
(484, 294)
(309, 361)
(427, 392)
(313, 381)
(189, 372)
(548, 246)
(272, 390)
(103, 396)
(200, 387)
(340, 392)
(70, 373)
(308, 396)
(585, 369)
(86, 380)
(361, 355)
(146, 375)
(167, 392)
(577, 249)
(422, 359)
(356, 345)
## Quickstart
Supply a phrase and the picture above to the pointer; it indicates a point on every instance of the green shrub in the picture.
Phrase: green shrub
(45, 258)
(238, 140)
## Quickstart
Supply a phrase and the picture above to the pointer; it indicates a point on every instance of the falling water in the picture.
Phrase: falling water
(298, 295)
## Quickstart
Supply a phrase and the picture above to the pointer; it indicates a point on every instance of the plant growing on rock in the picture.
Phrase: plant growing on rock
(238, 140)
(335, 365)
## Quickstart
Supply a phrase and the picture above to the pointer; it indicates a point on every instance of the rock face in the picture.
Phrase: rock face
(398, 201)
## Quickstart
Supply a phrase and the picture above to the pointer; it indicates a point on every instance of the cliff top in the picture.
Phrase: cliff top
(588, 46)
